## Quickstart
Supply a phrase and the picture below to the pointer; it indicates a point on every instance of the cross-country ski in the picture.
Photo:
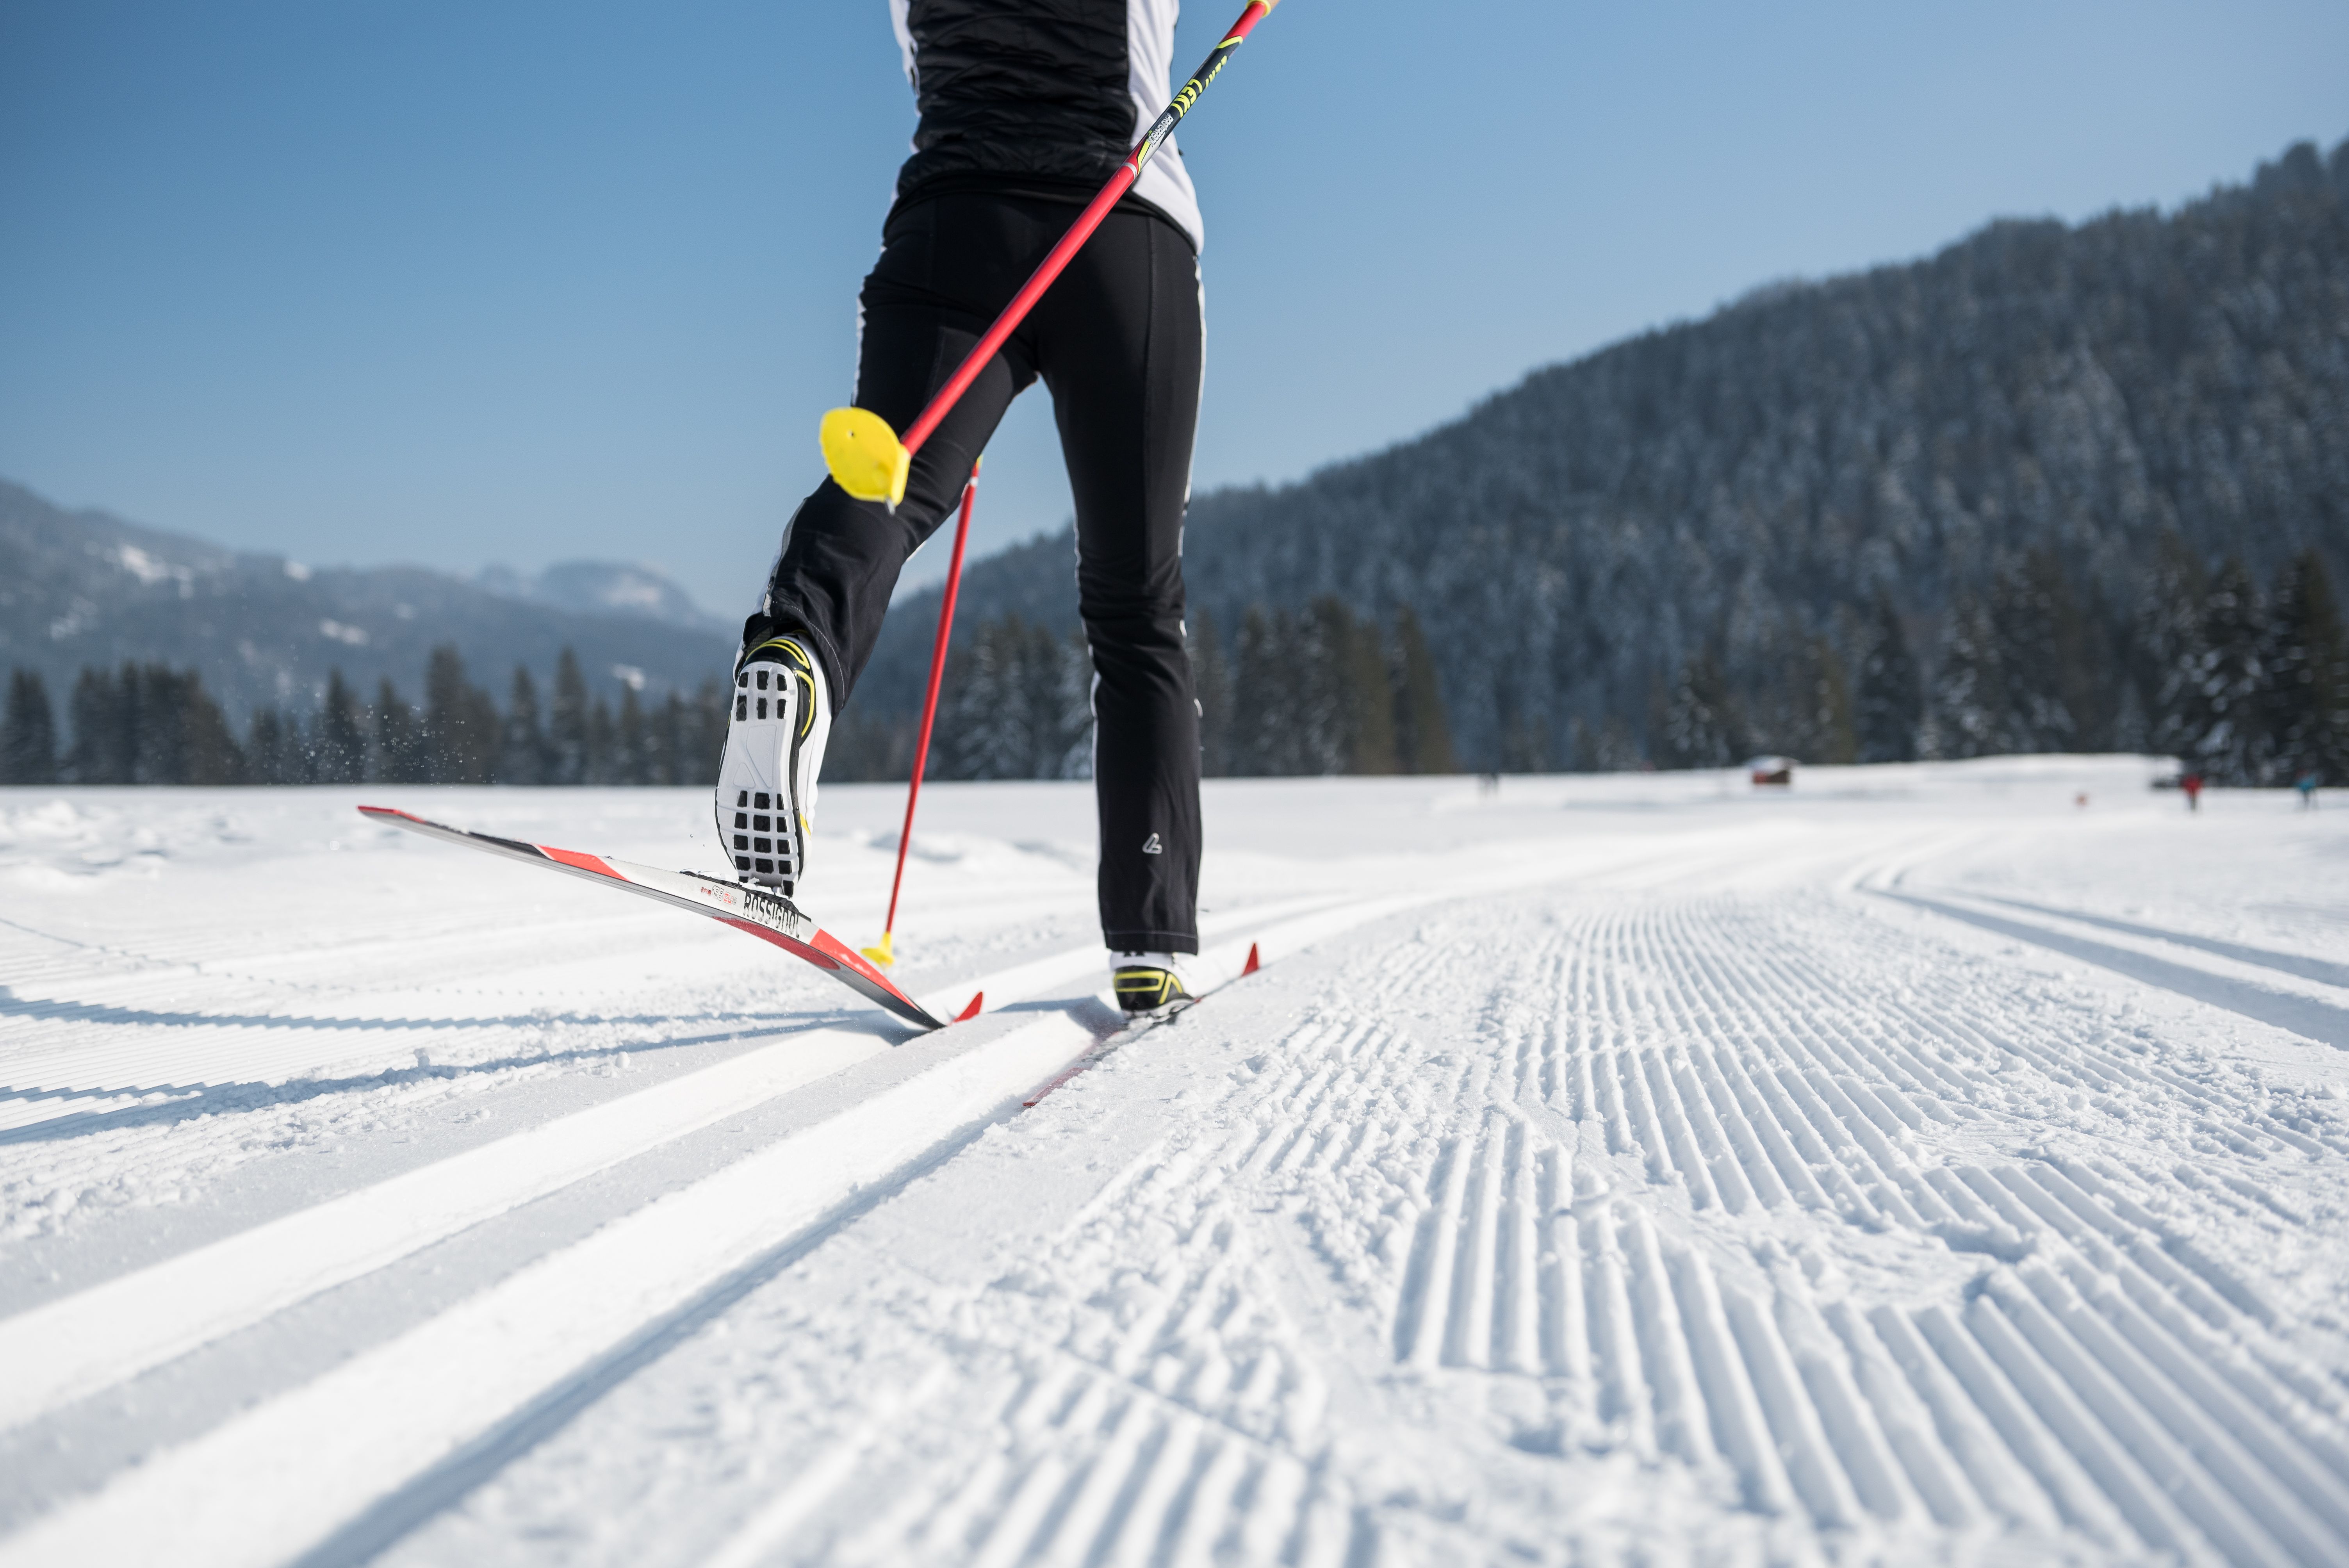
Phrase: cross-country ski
(767, 916)
(1140, 1024)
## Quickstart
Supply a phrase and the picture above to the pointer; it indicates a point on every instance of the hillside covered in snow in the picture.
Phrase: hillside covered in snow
(2001, 436)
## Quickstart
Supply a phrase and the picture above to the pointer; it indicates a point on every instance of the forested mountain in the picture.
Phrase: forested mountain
(2057, 487)
(84, 589)
(1998, 499)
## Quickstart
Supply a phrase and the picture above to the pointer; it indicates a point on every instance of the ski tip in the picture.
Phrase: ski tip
(971, 1012)
(884, 952)
(1251, 966)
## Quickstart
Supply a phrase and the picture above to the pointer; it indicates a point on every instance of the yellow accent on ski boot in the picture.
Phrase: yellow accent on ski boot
(1147, 985)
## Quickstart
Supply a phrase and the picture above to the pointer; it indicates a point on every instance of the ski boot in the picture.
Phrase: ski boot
(774, 751)
(1153, 984)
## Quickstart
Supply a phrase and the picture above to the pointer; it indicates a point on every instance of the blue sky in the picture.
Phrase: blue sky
(457, 284)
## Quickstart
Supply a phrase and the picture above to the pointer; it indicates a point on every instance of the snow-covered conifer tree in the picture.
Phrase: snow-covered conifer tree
(523, 755)
(1423, 730)
(1265, 709)
(397, 756)
(339, 743)
(1702, 725)
(2306, 663)
(1968, 685)
(1891, 702)
(2231, 743)
(460, 737)
(630, 741)
(273, 749)
(2169, 651)
(104, 744)
(567, 723)
(28, 744)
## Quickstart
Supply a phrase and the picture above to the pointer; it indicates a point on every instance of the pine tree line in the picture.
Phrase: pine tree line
(2246, 687)
(1318, 691)
(1313, 692)
(149, 724)
(1017, 703)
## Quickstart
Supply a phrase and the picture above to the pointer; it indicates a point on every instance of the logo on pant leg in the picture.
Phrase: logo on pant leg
(1150, 846)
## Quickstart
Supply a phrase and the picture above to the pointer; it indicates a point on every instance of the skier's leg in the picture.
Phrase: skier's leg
(1120, 342)
(947, 266)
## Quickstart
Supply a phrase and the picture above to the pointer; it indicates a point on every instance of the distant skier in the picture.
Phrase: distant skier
(1026, 108)
(2306, 785)
(2192, 784)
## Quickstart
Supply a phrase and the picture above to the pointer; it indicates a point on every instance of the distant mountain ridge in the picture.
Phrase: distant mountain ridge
(81, 588)
(603, 588)
(1746, 485)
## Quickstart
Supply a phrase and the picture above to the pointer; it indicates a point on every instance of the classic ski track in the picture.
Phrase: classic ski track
(1540, 1194)
(72, 1055)
(2099, 1382)
(234, 1291)
(114, 1329)
(2108, 1313)
(2305, 966)
(1184, 1430)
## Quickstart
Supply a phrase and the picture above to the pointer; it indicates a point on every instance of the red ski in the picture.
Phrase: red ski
(765, 915)
(1139, 1023)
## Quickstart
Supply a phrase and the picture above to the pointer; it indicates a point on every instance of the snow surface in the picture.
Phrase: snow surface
(1914, 1165)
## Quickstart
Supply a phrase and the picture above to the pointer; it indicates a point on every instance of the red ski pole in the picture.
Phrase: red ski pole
(884, 952)
(865, 456)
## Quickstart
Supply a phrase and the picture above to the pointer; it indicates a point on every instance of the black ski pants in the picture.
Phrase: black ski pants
(1118, 340)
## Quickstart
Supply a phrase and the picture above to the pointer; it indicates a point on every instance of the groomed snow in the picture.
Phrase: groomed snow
(1919, 1164)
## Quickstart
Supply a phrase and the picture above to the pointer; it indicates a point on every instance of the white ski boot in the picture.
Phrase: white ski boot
(775, 751)
(1154, 984)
